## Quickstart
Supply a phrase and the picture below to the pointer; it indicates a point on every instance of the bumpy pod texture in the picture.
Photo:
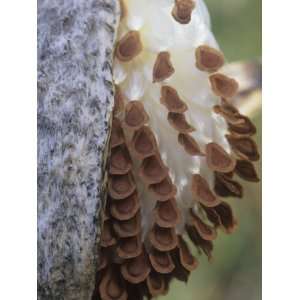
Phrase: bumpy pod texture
(177, 144)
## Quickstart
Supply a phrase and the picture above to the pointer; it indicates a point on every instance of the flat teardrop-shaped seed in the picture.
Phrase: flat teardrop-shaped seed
(245, 169)
(135, 115)
(153, 170)
(223, 86)
(107, 238)
(111, 287)
(144, 142)
(179, 123)
(120, 162)
(171, 100)
(161, 262)
(202, 192)
(243, 127)
(119, 102)
(187, 260)
(137, 269)
(129, 46)
(129, 247)
(117, 135)
(167, 214)
(227, 187)
(208, 59)
(163, 239)
(205, 231)
(163, 67)
(226, 216)
(182, 11)
(126, 208)
(128, 228)
(120, 186)
(218, 159)
(230, 116)
(103, 259)
(189, 144)
(156, 284)
(244, 147)
(163, 190)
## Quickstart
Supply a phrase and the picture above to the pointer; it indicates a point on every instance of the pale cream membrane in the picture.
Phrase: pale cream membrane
(159, 31)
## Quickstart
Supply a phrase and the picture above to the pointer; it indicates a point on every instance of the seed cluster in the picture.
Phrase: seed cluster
(147, 221)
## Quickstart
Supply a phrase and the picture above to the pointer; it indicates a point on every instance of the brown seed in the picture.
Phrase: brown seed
(129, 46)
(179, 123)
(135, 115)
(164, 190)
(208, 59)
(171, 100)
(107, 238)
(226, 216)
(205, 231)
(121, 186)
(163, 67)
(189, 144)
(202, 192)
(120, 162)
(227, 187)
(244, 126)
(128, 228)
(117, 135)
(229, 115)
(187, 260)
(166, 213)
(153, 170)
(126, 208)
(137, 269)
(111, 287)
(119, 101)
(245, 169)
(244, 147)
(161, 262)
(182, 11)
(223, 86)
(156, 284)
(144, 142)
(163, 239)
(218, 159)
(129, 247)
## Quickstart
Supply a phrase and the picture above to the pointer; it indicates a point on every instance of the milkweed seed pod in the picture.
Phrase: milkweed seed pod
(178, 148)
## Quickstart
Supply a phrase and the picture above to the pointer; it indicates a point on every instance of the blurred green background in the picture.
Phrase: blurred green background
(235, 272)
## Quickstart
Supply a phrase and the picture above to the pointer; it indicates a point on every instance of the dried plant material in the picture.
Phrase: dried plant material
(107, 238)
(103, 259)
(137, 269)
(223, 86)
(166, 213)
(227, 187)
(111, 287)
(163, 239)
(163, 67)
(182, 11)
(128, 228)
(245, 169)
(226, 216)
(202, 192)
(135, 115)
(205, 231)
(117, 135)
(126, 208)
(187, 260)
(153, 170)
(218, 159)
(164, 190)
(244, 147)
(129, 247)
(123, 10)
(120, 162)
(208, 59)
(156, 284)
(144, 142)
(129, 46)
(230, 116)
(120, 186)
(189, 144)
(171, 100)
(243, 127)
(161, 262)
(119, 101)
(179, 123)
